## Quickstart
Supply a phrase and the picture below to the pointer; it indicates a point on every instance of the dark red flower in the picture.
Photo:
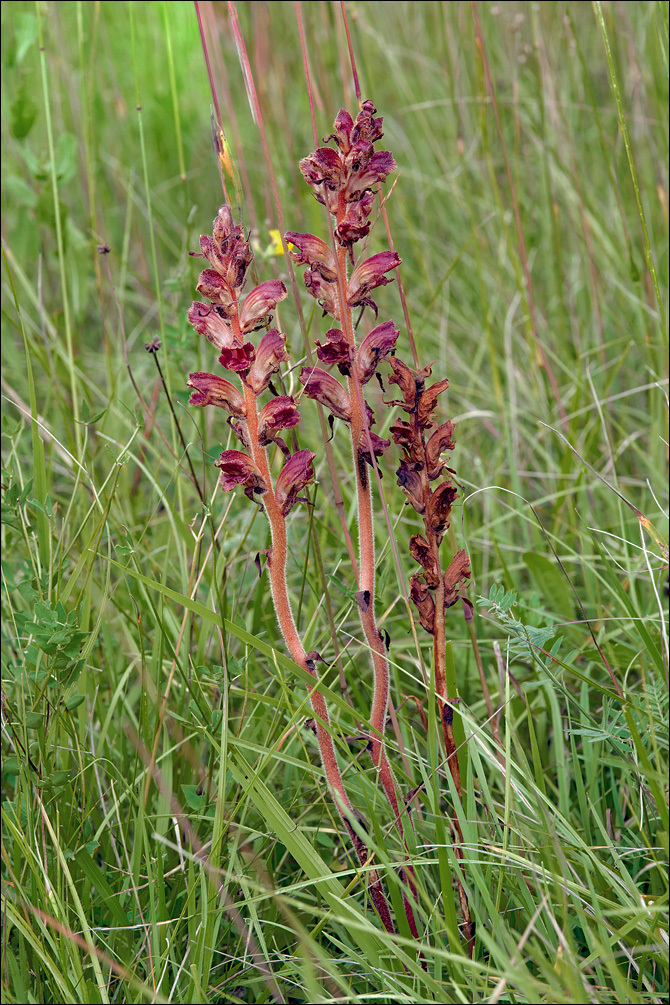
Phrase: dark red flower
(310, 250)
(238, 469)
(237, 357)
(212, 390)
(324, 388)
(293, 477)
(379, 344)
(369, 274)
(216, 289)
(279, 413)
(324, 172)
(355, 224)
(336, 351)
(377, 169)
(270, 353)
(259, 302)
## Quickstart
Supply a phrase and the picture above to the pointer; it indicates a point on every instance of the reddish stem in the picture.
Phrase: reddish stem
(360, 430)
(282, 605)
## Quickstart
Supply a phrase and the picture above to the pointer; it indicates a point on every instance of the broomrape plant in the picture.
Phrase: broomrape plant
(344, 177)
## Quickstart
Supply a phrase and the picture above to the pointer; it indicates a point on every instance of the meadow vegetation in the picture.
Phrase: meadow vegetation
(168, 831)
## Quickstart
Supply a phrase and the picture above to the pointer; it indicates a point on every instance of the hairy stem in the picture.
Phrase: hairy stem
(441, 686)
(359, 431)
(282, 605)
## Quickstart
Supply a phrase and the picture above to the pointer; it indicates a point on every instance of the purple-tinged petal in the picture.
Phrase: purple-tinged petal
(323, 168)
(306, 249)
(325, 293)
(237, 358)
(238, 469)
(375, 171)
(322, 387)
(280, 413)
(343, 125)
(270, 353)
(259, 302)
(370, 274)
(379, 344)
(215, 288)
(208, 322)
(293, 477)
(212, 390)
(355, 225)
(335, 351)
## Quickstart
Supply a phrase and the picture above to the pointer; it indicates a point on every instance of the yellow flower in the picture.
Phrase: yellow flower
(276, 246)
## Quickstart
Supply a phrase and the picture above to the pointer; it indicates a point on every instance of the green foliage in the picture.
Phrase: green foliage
(167, 834)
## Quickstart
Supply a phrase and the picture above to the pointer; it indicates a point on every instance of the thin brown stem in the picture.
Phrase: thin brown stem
(360, 431)
(441, 685)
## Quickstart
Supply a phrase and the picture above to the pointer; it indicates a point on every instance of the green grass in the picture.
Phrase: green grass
(531, 214)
